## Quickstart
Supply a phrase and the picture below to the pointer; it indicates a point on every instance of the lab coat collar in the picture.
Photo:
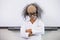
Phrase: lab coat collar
(28, 19)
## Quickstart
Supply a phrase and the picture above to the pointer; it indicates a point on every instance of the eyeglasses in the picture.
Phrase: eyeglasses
(32, 14)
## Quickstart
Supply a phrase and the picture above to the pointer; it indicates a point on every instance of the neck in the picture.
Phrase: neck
(33, 19)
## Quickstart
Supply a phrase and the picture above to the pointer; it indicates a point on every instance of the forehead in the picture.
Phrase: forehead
(31, 6)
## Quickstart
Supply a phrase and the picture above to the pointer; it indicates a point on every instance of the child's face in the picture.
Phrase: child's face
(31, 10)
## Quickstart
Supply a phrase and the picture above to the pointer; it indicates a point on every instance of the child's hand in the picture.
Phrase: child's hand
(29, 31)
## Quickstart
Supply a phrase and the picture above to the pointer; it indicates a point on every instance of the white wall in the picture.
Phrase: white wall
(52, 12)
(10, 11)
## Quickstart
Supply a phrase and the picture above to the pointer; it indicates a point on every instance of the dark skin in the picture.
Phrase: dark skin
(31, 11)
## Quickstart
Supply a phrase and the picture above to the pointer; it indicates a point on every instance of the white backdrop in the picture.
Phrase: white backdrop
(10, 11)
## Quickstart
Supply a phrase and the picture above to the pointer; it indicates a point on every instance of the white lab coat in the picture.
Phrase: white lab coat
(37, 29)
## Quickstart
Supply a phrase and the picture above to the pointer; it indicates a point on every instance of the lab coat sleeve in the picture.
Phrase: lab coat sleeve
(39, 29)
(23, 34)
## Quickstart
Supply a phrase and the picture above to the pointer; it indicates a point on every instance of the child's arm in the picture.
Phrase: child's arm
(39, 29)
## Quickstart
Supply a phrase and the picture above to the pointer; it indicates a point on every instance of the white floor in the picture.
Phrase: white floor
(52, 35)
(6, 34)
